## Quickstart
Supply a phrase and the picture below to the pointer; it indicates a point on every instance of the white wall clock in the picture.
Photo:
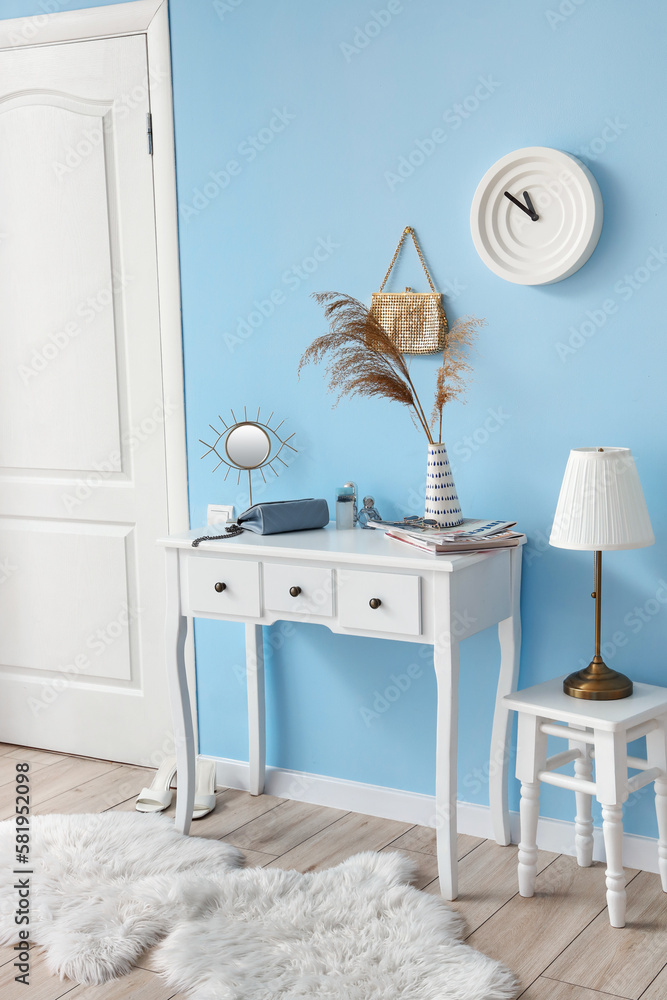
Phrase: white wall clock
(536, 216)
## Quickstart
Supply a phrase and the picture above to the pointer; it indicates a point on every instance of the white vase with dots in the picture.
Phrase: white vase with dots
(442, 502)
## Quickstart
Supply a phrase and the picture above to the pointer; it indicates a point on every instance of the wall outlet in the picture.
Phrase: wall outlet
(220, 513)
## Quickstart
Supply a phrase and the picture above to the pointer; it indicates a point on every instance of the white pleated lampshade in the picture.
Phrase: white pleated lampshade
(601, 504)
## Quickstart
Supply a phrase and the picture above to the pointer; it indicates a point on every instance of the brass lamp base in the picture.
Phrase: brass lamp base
(597, 683)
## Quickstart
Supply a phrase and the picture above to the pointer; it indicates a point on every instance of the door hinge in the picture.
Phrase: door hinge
(149, 132)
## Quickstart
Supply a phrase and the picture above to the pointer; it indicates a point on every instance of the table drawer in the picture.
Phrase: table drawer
(223, 586)
(399, 597)
(314, 585)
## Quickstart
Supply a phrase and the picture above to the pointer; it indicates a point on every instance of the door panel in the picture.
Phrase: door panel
(71, 578)
(60, 338)
(82, 415)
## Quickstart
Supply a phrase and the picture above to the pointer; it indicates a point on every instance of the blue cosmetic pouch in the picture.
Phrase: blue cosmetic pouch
(277, 517)
(285, 515)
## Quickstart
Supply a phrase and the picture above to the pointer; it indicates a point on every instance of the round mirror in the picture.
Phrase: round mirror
(247, 445)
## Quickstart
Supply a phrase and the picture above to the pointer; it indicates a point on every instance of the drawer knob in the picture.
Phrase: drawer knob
(295, 591)
(375, 603)
(220, 587)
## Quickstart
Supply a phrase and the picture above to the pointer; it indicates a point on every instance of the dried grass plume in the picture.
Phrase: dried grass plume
(454, 374)
(362, 360)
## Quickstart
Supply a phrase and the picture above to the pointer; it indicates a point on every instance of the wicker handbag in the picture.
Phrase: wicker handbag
(415, 321)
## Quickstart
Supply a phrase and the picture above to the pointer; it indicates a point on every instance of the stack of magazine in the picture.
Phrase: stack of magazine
(470, 536)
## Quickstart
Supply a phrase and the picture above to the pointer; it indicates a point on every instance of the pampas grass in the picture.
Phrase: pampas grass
(362, 360)
(454, 374)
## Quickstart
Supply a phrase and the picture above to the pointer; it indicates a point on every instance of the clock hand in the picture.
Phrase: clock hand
(533, 214)
(516, 202)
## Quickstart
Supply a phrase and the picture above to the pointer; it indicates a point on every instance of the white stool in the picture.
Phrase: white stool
(598, 730)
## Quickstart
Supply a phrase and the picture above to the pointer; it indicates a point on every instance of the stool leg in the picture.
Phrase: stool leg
(656, 751)
(529, 812)
(583, 821)
(612, 828)
(531, 758)
(661, 813)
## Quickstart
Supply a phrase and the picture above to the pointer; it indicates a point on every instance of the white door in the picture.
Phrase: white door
(82, 417)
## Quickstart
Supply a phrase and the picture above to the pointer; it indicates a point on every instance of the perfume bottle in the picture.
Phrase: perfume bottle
(355, 493)
(345, 504)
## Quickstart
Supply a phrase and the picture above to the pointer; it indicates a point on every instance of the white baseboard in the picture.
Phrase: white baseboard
(412, 807)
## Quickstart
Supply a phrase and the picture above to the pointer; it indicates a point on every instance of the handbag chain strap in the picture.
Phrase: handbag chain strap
(410, 230)
(231, 532)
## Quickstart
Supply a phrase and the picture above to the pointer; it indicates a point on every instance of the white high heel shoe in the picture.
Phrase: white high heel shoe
(204, 789)
(157, 797)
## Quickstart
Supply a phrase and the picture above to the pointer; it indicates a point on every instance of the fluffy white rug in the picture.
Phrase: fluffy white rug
(354, 932)
(106, 887)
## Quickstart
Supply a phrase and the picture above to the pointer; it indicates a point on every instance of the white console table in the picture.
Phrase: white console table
(355, 582)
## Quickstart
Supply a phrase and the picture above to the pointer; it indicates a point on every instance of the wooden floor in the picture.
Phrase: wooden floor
(559, 943)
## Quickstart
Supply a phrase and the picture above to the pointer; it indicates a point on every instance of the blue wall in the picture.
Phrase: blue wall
(332, 102)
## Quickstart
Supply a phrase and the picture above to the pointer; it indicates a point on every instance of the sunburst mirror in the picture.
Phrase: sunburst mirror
(249, 446)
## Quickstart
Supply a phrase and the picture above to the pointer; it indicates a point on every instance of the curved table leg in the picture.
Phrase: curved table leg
(509, 634)
(176, 631)
(446, 663)
(254, 644)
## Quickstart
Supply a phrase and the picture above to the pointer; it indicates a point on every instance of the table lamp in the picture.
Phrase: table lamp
(601, 507)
